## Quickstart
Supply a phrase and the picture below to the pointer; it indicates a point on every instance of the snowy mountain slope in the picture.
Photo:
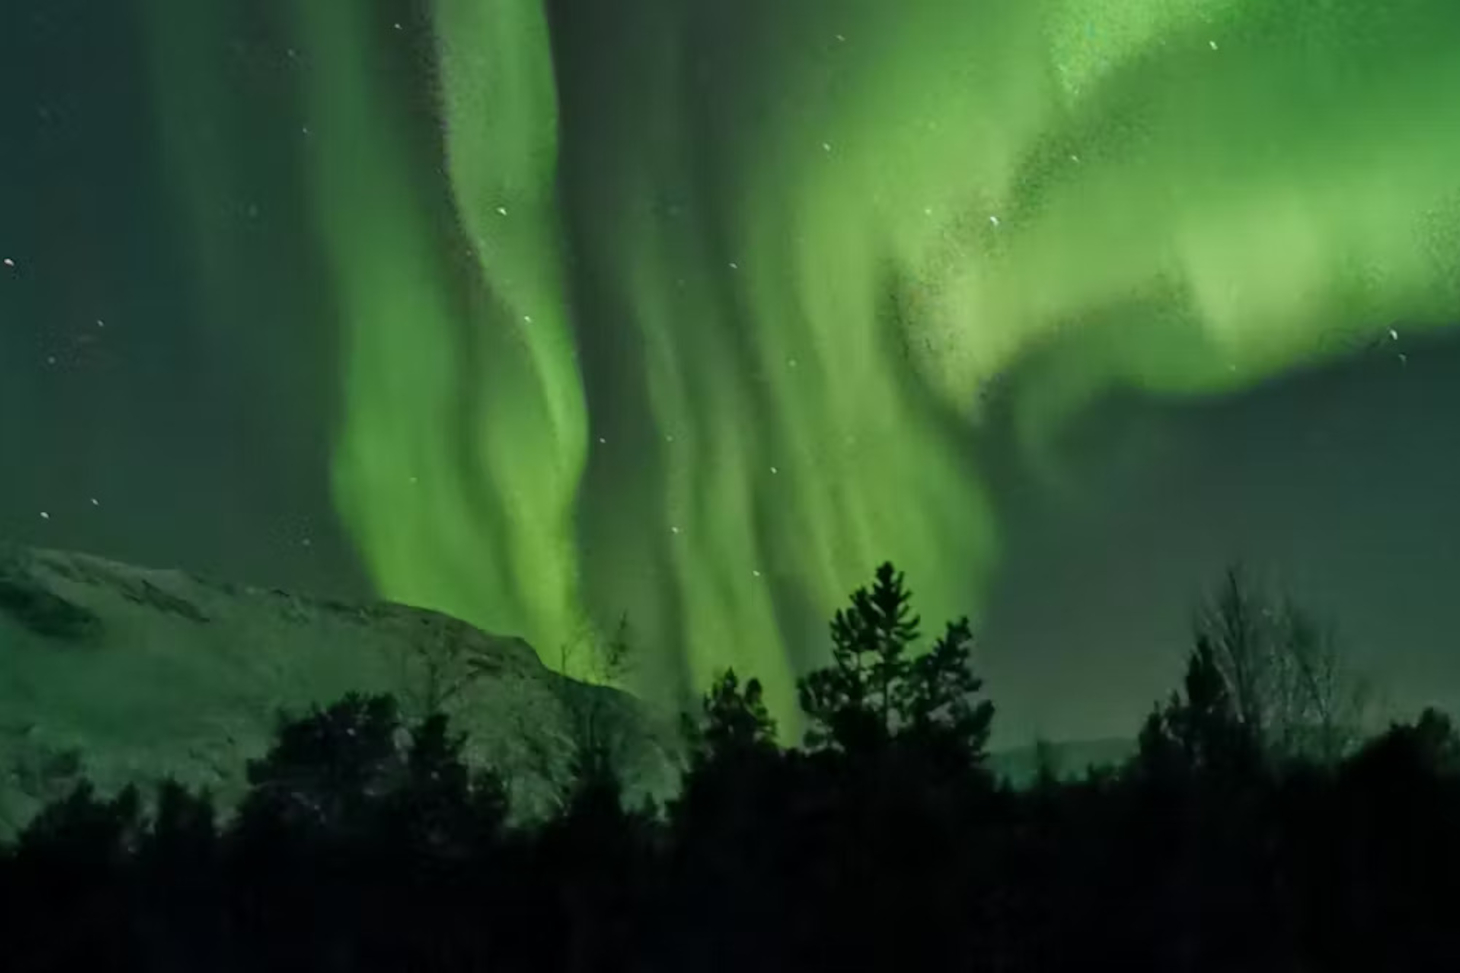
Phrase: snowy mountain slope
(130, 674)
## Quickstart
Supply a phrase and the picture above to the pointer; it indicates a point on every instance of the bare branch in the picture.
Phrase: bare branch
(1288, 682)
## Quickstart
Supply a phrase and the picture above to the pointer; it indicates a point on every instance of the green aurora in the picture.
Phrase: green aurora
(688, 310)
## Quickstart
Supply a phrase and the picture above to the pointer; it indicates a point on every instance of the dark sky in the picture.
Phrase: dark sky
(143, 417)
(1337, 485)
(149, 426)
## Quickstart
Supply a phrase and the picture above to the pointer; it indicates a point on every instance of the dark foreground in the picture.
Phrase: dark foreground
(1230, 841)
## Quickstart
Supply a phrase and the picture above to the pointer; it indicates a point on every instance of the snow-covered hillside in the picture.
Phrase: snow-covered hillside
(125, 674)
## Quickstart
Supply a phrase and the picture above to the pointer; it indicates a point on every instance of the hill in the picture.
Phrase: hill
(130, 674)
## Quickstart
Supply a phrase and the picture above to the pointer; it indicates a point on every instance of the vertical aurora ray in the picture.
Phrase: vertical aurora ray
(739, 275)
(457, 481)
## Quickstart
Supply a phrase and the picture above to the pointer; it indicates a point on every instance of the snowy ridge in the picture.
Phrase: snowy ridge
(130, 674)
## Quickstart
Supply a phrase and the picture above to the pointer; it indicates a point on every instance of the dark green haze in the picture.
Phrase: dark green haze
(695, 311)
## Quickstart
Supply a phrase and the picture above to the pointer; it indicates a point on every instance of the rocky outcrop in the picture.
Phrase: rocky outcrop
(128, 674)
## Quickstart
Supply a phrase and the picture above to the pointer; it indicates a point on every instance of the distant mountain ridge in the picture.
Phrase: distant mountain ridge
(1070, 758)
(130, 674)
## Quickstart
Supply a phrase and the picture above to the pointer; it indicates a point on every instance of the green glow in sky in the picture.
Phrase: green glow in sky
(699, 327)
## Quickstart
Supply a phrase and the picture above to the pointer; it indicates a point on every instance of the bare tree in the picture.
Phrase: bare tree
(578, 645)
(1330, 703)
(1288, 682)
(601, 661)
(591, 657)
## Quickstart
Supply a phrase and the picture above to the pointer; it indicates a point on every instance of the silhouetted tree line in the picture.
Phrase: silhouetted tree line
(365, 842)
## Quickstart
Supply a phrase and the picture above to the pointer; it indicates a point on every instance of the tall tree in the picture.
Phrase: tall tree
(877, 689)
(939, 695)
(734, 720)
(851, 702)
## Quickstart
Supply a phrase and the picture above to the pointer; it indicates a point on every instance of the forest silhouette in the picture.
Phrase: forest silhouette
(1260, 825)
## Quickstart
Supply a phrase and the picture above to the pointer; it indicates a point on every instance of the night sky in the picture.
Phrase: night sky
(541, 314)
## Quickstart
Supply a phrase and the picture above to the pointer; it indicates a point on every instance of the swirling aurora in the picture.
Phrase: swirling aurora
(687, 311)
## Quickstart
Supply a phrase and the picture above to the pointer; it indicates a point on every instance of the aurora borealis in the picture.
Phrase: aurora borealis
(695, 312)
